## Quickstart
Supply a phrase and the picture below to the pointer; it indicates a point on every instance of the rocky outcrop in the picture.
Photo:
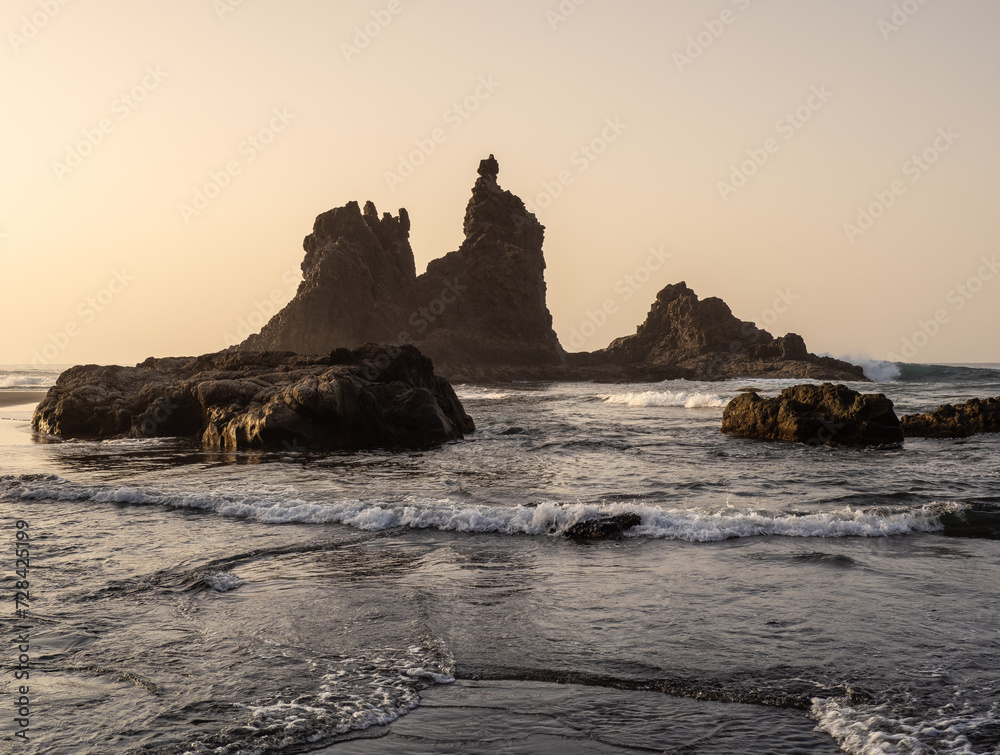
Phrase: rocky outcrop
(605, 528)
(955, 420)
(702, 339)
(371, 397)
(355, 267)
(824, 414)
(499, 318)
(480, 312)
(477, 308)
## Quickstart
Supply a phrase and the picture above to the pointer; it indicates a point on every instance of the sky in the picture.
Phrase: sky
(827, 167)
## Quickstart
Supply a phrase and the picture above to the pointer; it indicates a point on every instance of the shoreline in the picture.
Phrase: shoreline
(17, 398)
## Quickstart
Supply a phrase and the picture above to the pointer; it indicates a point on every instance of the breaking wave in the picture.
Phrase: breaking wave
(875, 730)
(876, 370)
(37, 382)
(667, 398)
(545, 518)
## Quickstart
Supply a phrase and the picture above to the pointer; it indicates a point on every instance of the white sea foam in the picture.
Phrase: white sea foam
(27, 381)
(545, 518)
(876, 370)
(482, 394)
(666, 398)
(359, 693)
(874, 730)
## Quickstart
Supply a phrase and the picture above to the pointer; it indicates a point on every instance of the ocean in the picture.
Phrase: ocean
(774, 599)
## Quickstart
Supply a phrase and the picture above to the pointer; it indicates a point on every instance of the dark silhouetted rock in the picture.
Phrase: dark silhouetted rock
(824, 414)
(955, 420)
(355, 267)
(480, 312)
(702, 339)
(606, 528)
(977, 520)
(371, 397)
(477, 308)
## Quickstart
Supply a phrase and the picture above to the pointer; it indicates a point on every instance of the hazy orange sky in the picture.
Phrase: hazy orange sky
(826, 167)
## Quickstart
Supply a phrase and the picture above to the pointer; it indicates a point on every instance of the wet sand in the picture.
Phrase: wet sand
(17, 398)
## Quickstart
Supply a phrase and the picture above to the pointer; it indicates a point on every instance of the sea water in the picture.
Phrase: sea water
(775, 598)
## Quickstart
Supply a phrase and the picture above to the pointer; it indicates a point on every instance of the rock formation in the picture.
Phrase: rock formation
(480, 312)
(606, 528)
(955, 421)
(372, 397)
(824, 414)
(685, 337)
(480, 307)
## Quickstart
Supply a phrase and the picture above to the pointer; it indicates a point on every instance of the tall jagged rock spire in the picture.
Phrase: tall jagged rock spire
(489, 168)
(480, 306)
(480, 312)
(502, 316)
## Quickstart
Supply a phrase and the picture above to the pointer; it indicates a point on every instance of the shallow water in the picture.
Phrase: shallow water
(775, 598)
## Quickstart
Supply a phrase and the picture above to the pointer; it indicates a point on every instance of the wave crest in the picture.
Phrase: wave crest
(876, 370)
(666, 398)
(874, 730)
(545, 518)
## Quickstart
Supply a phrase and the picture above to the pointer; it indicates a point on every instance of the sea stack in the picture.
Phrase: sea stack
(480, 312)
(478, 308)
(702, 339)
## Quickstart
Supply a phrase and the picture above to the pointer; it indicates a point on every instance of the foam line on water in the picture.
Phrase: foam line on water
(356, 694)
(545, 518)
(692, 400)
(876, 730)
(26, 381)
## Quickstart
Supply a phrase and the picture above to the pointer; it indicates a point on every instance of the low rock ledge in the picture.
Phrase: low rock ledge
(955, 420)
(370, 397)
(824, 414)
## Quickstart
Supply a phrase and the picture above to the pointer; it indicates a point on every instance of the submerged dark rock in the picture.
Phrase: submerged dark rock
(973, 521)
(371, 397)
(480, 312)
(955, 420)
(606, 528)
(824, 414)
